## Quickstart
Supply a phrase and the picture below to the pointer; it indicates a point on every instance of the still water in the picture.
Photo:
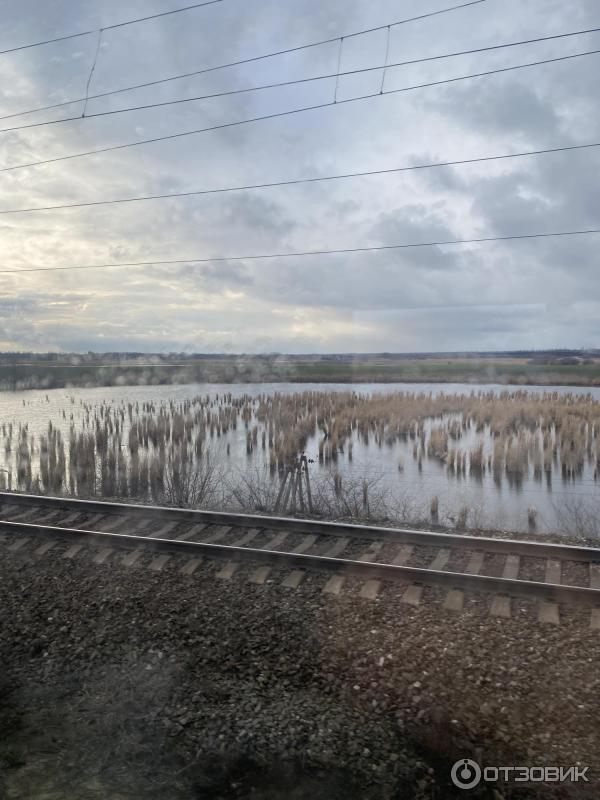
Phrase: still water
(491, 504)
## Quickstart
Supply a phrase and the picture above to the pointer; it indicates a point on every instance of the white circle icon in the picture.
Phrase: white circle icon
(465, 773)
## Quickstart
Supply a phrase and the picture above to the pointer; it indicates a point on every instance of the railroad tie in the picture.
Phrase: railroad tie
(548, 611)
(130, 558)
(68, 520)
(95, 519)
(159, 562)
(501, 603)
(403, 555)
(372, 552)
(337, 549)
(276, 541)
(73, 551)
(455, 599)
(216, 534)
(334, 585)
(595, 584)
(162, 532)
(112, 524)
(305, 544)
(228, 571)
(18, 543)
(370, 589)
(413, 594)
(103, 555)
(190, 566)
(25, 516)
(246, 538)
(43, 519)
(294, 579)
(9, 509)
(259, 575)
(193, 531)
(441, 559)
(475, 563)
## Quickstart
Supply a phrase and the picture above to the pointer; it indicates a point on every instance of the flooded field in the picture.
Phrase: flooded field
(484, 457)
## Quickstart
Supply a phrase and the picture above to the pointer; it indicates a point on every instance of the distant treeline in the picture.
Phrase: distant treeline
(21, 371)
(137, 359)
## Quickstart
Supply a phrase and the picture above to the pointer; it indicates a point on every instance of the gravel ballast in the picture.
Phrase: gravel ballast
(124, 683)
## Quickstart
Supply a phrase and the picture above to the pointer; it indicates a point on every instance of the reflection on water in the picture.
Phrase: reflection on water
(451, 452)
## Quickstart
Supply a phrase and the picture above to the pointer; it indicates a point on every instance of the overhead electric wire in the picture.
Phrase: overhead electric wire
(297, 181)
(242, 61)
(338, 74)
(338, 251)
(279, 114)
(116, 25)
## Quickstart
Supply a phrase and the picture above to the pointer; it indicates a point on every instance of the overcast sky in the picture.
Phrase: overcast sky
(513, 295)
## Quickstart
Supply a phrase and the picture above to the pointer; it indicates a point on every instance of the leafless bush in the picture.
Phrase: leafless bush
(578, 517)
(361, 498)
(337, 499)
(191, 483)
(254, 490)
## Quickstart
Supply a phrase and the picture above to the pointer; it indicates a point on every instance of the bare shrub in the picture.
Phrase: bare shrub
(254, 490)
(577, 517)
(191, 483)
(337, 499)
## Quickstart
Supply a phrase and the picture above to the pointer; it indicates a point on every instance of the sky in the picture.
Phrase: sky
(536, 293)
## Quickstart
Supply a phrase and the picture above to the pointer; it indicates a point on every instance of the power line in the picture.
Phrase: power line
(68, 36)
(297, 181)
(276, 115)
(238, 63)
(340, 251)
(294, 82)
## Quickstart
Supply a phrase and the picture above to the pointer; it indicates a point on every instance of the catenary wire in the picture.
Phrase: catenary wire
(297, 81)
(339, 251)
(68, 36)
(279, 114)
(240, 62)
(297, 181)
(92, 70)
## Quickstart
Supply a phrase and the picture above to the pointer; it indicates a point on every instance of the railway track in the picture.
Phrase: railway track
(407, 559)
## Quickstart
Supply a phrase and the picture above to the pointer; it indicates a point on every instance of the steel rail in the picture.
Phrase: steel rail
(413, 536)
(365, 569)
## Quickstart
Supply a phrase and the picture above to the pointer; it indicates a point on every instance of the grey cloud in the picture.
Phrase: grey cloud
(511, 106)
(407, 299)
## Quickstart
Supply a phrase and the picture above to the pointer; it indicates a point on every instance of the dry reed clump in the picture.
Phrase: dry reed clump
(461, 520)
(517, 458)
(476, 460)
(52, 463)
(434, 508)
(23, 462)
(532, 517)
(437, 446)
